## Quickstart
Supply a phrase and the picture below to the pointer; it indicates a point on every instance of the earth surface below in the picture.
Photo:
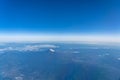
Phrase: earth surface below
(59, 61)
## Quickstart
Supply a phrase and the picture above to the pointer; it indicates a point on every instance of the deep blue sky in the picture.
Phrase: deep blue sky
(60, 16)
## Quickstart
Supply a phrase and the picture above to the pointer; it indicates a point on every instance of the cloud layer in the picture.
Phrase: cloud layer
(28, 48)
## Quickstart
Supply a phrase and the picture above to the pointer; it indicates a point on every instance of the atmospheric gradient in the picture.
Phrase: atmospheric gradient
(60, 17)
(59, 40)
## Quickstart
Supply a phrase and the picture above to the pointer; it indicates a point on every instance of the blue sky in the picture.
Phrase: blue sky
(60, 16)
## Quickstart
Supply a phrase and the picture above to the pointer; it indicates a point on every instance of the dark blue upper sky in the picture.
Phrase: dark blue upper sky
(60, 16)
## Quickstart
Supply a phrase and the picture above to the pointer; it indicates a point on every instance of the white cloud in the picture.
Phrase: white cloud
(28, 48)
(118, 58)
(37, 47)
(19, 78)
(76, 52)
(52, 50)
(6, 49)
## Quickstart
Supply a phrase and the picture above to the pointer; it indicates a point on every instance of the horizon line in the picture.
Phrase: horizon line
(70, 38)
